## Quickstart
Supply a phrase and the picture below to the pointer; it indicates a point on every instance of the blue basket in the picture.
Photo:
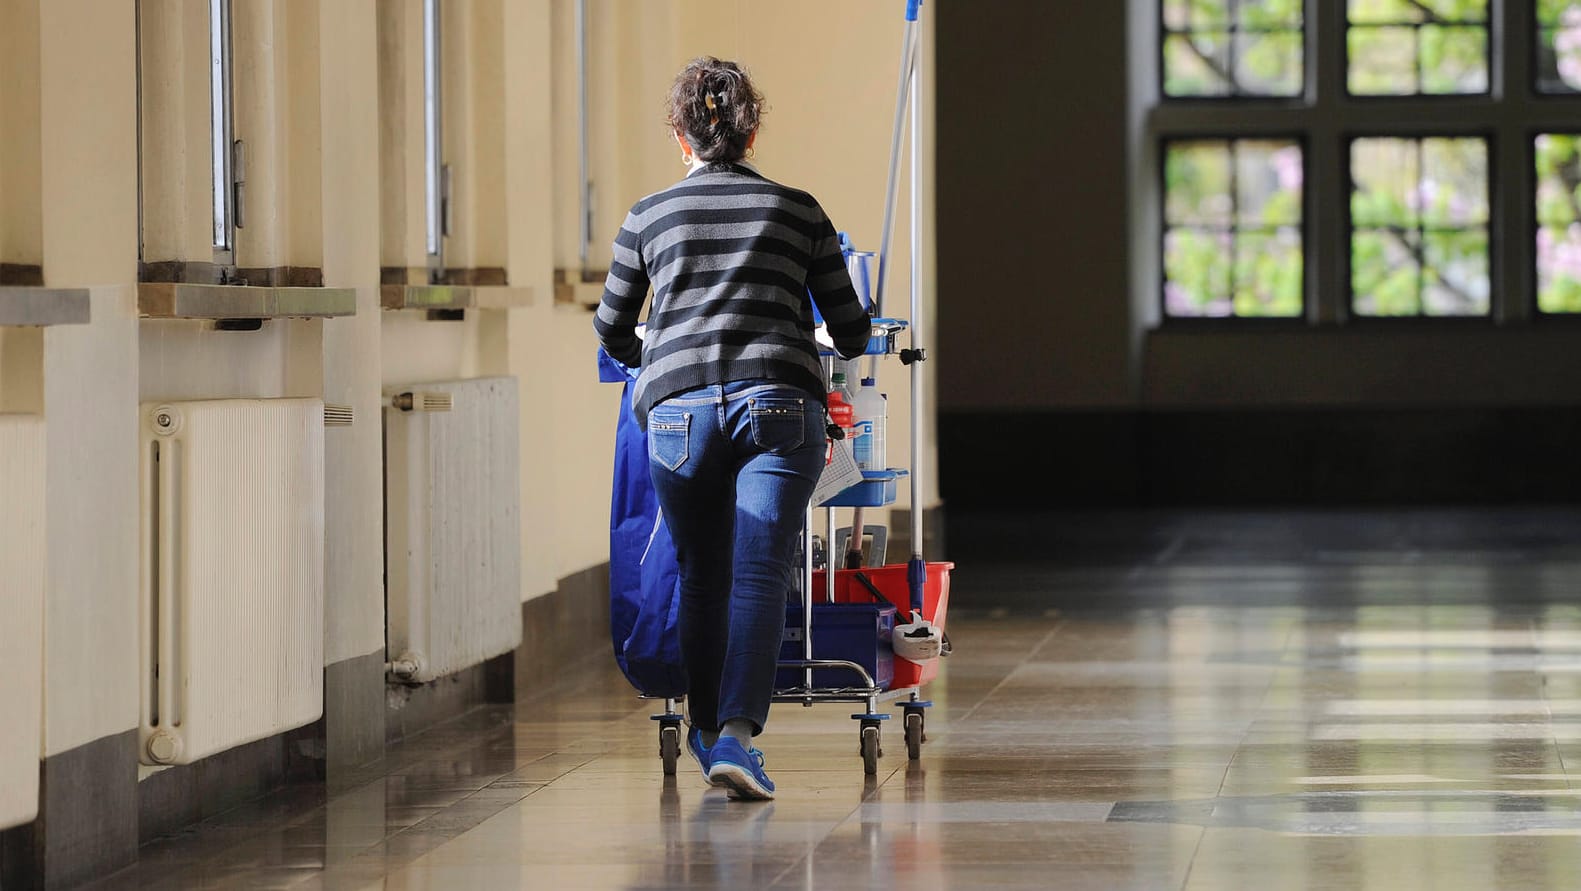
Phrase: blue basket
(853, 632)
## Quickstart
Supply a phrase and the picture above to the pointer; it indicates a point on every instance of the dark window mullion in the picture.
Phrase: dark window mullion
(1422, 221)
(1232, 34)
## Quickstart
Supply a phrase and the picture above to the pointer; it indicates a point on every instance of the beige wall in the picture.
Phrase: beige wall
(88, 224)
(19, 139)
(354, 493)
(309, 91)
(828, 72)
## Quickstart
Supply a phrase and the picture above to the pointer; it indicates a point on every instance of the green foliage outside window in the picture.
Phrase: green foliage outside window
(1416, 47)
(1419, 217)
(1558, 223)
(1559, 46)
(1233, 48)
(1232, 232)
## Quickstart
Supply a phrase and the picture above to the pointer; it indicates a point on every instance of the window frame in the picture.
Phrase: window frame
(1236, 98)
(1534, 50)
(436, 173)
(1162, 232)
(1490, 48)
(1509, 117)
(1534, 294)
(225, 149)
(1492, 226)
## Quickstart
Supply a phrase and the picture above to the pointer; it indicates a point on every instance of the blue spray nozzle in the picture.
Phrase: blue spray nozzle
(911, 9)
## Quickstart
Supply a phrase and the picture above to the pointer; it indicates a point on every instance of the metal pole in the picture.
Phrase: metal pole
(907, 65)
(585, 184)
(917, 571)
(806, 602)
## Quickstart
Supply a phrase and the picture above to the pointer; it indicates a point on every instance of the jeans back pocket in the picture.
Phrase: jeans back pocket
(778, 423)
(669, 439)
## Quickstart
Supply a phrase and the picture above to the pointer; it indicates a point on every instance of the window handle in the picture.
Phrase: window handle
(239, 181)
(446, 201)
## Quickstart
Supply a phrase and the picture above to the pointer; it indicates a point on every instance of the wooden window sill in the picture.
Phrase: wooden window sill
(185, 300)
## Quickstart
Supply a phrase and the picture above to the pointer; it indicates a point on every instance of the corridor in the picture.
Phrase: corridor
(1219, 701)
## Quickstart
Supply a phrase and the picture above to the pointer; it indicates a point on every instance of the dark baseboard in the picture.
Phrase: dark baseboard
(563, 628)
(354, 712)
(94, 813)
(179, 796)
(410, 709)
(558, 629)
(1295, 457)
(87, 820)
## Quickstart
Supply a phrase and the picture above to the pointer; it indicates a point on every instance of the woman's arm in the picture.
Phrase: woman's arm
(625, 291)
(829, 283)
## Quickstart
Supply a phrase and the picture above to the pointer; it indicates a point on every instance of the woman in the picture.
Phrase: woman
(732, 395)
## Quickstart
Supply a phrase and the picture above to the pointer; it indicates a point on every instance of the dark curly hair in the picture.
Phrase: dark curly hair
(715, 106)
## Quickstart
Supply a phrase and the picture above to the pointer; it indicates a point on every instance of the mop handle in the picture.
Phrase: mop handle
(907, 65)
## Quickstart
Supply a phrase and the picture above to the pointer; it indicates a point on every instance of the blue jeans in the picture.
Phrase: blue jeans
(734, 466)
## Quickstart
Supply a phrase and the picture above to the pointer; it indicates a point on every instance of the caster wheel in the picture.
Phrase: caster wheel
(669, 748)
(914, 735)
(870, 749)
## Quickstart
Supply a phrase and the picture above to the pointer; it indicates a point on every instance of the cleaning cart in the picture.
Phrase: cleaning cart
(869, 634)
(856, 632)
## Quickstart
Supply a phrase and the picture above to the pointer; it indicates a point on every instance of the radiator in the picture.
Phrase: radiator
(232, 589)
(22, 552)
(453, 525)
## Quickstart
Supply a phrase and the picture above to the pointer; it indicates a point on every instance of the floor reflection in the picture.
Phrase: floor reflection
(1192, 717)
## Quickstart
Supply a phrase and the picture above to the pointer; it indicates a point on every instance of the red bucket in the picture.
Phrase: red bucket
(891, 582)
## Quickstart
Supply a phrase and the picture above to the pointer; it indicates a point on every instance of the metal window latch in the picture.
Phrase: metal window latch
(909, 356)
(423, 402)
(446, 201)
(239, 182)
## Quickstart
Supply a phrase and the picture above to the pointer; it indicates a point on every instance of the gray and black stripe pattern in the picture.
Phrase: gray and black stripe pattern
(733, 258)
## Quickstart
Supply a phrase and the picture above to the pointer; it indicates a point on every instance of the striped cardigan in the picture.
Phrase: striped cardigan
(733, 258)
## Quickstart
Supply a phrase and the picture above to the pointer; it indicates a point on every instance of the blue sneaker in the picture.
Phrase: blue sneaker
(698, 751)
(739, 771)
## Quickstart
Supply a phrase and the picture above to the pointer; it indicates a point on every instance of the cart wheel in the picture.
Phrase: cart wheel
(870, 749)
(914, 735)
(669, 747)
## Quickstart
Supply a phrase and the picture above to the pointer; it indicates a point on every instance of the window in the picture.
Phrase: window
(224, 150)
(1558, 55)
(1417, 47)
(1558, 248)
(1232, 228)
(1419, 217)
(1233, 48)
(436, 175)
(1384, 176)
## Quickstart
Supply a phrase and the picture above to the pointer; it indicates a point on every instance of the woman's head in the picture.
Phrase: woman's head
(715, 108)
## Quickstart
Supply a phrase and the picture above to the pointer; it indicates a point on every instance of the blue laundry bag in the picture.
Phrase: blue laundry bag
(644, 577)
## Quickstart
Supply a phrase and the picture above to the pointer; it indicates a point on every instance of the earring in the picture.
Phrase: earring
(751, 153)
(686, 159)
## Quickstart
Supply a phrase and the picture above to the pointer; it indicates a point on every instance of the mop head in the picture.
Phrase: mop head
(918, 640)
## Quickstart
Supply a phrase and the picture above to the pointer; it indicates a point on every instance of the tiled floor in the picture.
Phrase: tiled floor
(1312, 703)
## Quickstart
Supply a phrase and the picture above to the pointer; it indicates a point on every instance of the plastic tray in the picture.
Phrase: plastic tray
(876, 489)
(882, 341)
